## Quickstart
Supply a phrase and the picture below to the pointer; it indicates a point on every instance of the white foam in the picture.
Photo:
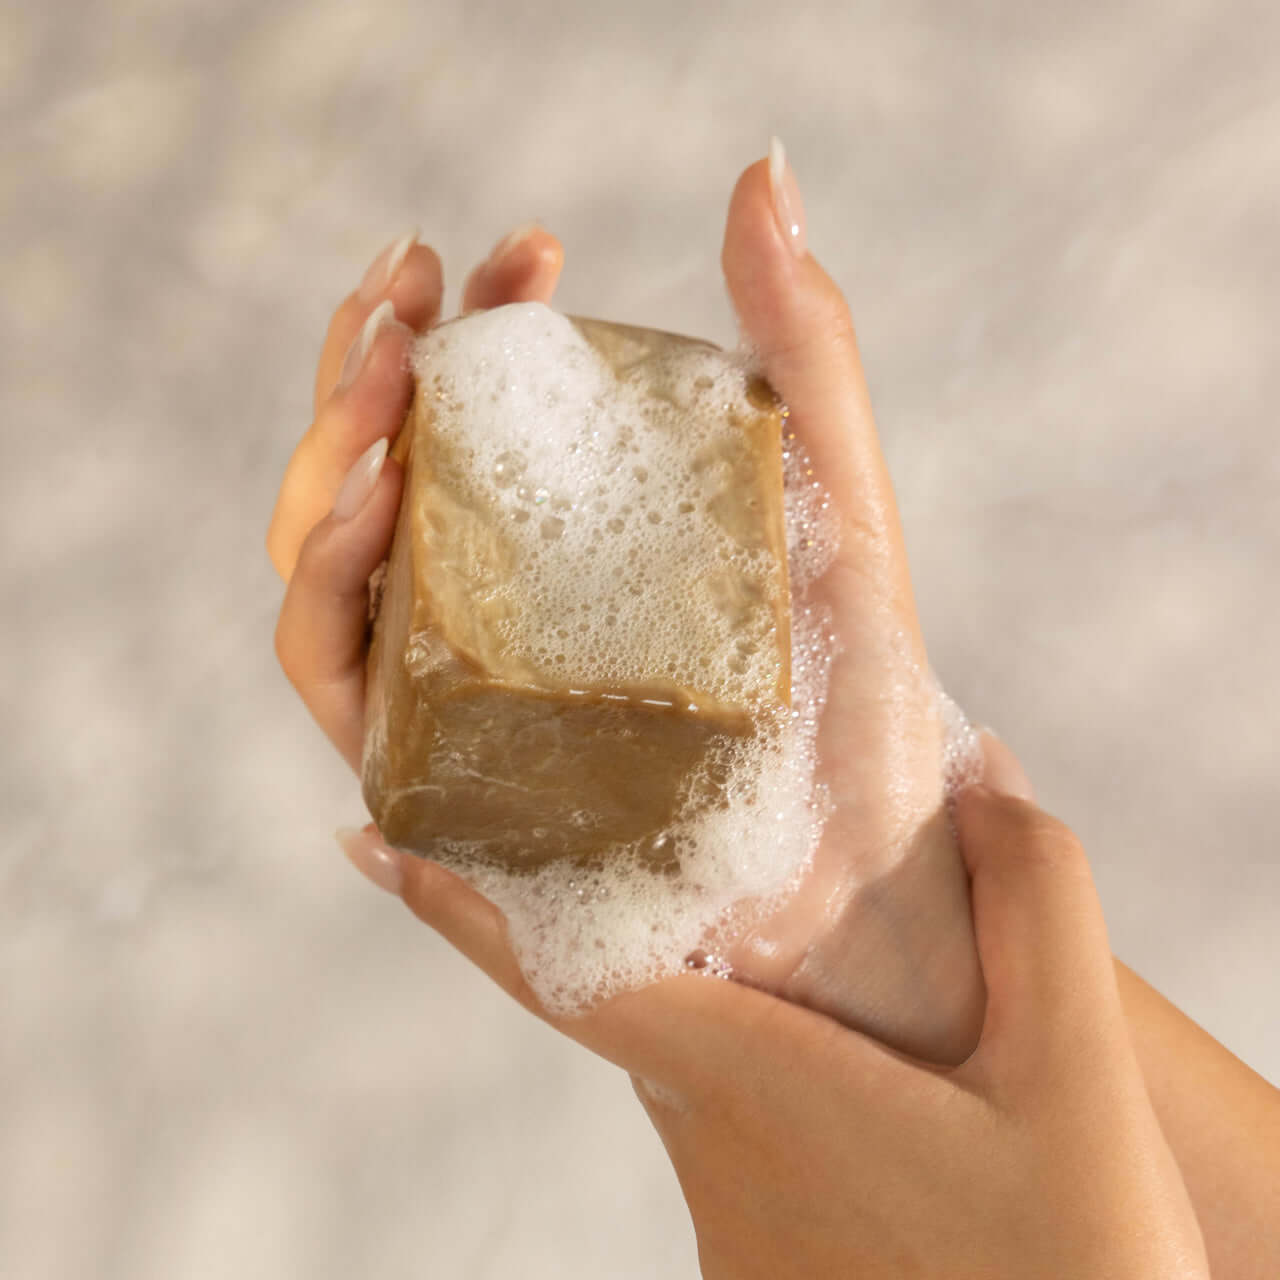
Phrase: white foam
(547, 431)
(610, 494)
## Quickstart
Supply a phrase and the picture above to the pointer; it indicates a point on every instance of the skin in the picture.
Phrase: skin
(1041, 1154)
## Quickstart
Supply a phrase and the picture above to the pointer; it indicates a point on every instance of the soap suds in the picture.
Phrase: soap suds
(597, 488)
(610, 492)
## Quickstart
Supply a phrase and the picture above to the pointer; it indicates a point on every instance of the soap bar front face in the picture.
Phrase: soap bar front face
(585, 613)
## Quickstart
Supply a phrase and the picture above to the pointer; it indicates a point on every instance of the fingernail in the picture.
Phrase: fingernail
(788, 208)
(371, 858)
(386, 266)
(509, 243)
(359, 481)
(358, 352)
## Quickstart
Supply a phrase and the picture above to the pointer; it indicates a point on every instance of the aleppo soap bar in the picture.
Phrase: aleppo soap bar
(586, 602)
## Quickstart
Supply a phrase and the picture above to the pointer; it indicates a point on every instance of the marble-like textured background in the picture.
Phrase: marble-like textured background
(223, 1055)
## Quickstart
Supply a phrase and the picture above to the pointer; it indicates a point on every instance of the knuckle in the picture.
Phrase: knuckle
(1029, 833)
(832, 317)
(823, 329)
(1044, 839)
(824, 312)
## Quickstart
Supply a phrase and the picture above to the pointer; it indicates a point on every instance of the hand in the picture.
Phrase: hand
(879, 934)
(676, 1035)
(822, 1153)
(362, 392)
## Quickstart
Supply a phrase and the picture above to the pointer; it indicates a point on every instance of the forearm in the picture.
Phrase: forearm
(1223, 1122)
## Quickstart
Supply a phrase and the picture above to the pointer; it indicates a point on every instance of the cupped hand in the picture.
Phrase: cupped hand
(879, 933)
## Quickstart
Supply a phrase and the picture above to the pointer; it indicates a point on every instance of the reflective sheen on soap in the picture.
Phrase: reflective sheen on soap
(585, 617)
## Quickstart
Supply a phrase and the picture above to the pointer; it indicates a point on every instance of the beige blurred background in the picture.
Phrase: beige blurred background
(221, 1053)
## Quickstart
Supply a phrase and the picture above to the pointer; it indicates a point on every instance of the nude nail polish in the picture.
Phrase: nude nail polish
(359, 481)
(510, 242)
(386, 266)
(788, 208)
(358, 352)
(378, 864)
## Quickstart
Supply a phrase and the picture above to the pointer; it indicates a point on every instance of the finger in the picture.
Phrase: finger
(320, 635)
(373, 395)
(349, 419)
(1002, 771)
(406, 274)
(523, 267)
(704, 1042)
(444, 901)
(797, 320)
(1041, 937)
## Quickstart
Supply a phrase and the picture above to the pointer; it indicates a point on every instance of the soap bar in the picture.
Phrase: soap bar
(586, 603)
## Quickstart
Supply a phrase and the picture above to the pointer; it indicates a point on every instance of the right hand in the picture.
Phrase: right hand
(822, 1153)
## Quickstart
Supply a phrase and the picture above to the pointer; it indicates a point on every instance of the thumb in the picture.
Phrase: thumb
(1040, 932)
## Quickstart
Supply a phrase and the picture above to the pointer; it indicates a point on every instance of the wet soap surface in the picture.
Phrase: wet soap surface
(586, 604)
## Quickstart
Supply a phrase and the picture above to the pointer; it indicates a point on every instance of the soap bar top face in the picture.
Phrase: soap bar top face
(604, 510)
(586, 607)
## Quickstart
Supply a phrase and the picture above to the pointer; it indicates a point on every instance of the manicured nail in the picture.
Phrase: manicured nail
(788, 208)
(379, 318)
(385, 267)
(359, 481)
(371, 858)
(509, 243)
